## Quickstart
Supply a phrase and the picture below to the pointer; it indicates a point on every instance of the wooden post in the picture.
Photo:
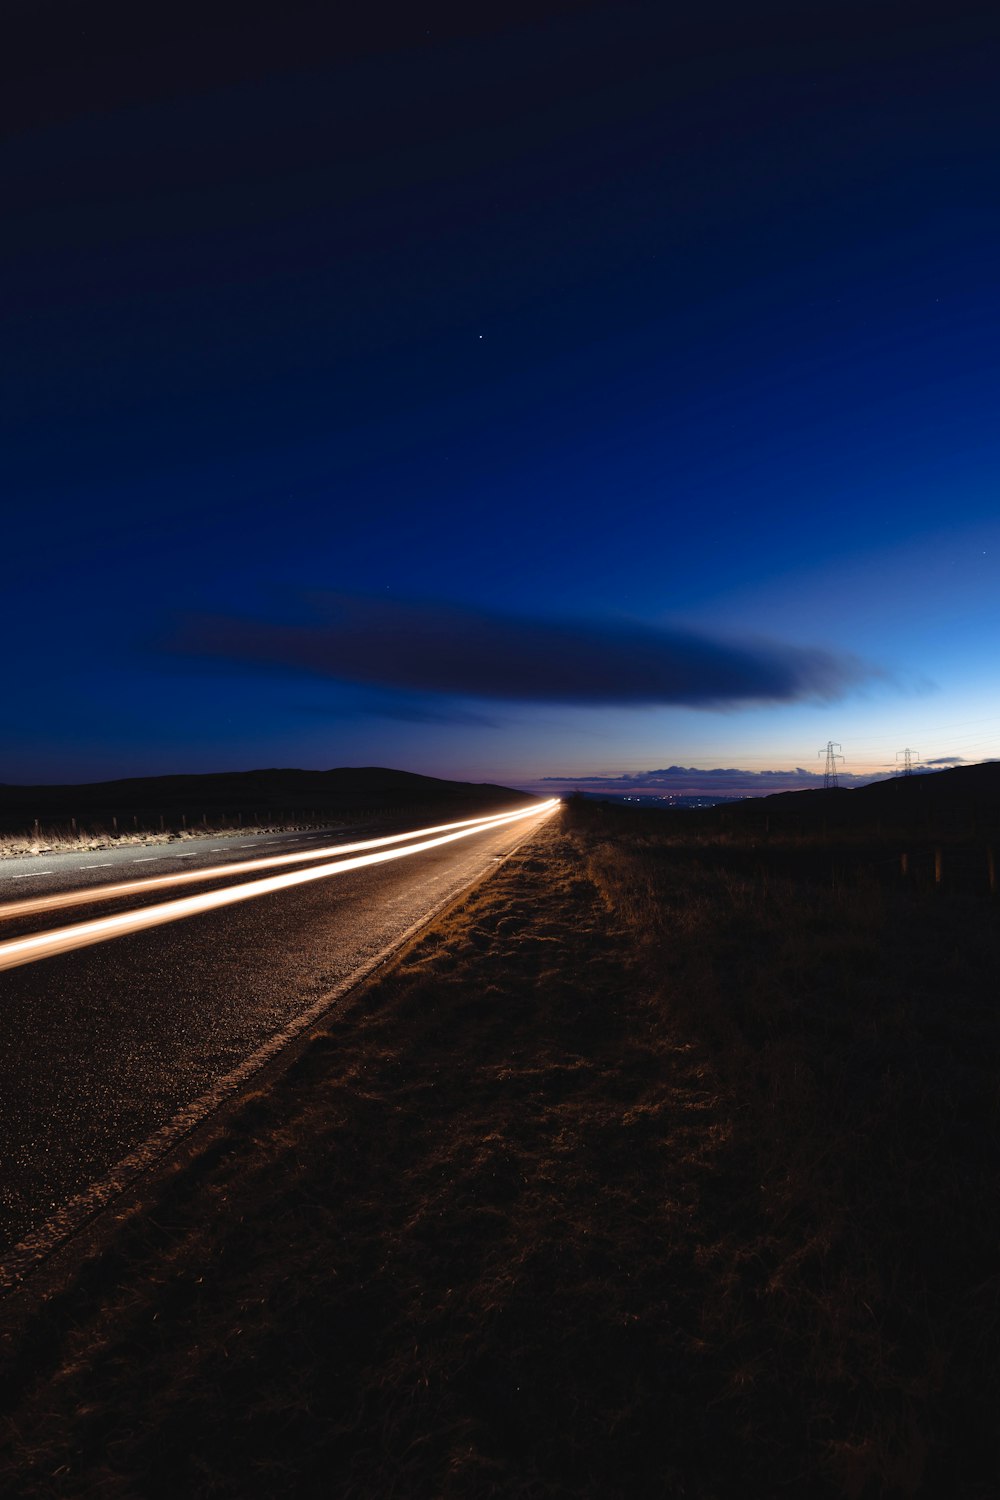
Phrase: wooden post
(991, 870)
(904, 864)
(114, 823)
(938, 867)
(73, 824)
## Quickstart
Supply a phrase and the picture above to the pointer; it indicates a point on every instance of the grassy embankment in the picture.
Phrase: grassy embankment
(97, 837)
(63, 838)
(665, 1166)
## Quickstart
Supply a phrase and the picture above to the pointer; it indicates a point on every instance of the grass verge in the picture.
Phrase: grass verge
(65, 840)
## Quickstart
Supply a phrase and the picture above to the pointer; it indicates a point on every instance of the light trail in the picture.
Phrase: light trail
(28, 950)
(84, 895)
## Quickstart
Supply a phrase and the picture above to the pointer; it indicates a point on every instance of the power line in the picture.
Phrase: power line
(907, 755)
(830, 774)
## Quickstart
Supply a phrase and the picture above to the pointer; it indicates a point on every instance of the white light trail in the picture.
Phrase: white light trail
(84, 895)
(27, 950)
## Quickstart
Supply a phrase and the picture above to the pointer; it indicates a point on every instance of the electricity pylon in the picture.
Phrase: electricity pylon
(908, 755)
(830, 774)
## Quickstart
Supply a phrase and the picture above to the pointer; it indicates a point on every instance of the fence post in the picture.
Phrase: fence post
(904, 865)
(938, 867)
(991, 870)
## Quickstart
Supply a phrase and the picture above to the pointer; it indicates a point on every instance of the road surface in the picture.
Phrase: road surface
(105, 1045)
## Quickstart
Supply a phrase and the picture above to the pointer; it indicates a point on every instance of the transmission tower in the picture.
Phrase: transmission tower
(830, 774)
(908, 755)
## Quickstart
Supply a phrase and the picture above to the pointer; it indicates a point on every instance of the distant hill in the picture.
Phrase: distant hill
(252, 795)
(962, 801)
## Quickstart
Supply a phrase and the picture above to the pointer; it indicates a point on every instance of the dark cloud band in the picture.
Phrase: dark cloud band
(446, 650)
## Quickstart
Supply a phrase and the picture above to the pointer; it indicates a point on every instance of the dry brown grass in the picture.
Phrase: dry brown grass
(62, 838)
(854, 1025)
(649, 1173)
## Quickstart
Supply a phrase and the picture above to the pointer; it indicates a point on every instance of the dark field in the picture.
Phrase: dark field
(665, 1166)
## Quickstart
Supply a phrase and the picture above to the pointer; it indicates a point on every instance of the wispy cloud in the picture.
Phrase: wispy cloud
(722, 781)
(465, 653)
(694, 781)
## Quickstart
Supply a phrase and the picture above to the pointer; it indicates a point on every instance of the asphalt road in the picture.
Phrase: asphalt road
(101, 1047)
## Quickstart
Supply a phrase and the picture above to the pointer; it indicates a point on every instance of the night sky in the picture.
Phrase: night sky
(545, 391)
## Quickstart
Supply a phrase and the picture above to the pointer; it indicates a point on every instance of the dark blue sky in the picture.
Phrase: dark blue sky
(566, 389)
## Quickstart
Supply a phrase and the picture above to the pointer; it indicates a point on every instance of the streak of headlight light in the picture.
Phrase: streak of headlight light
(85, 895)
(28, 950)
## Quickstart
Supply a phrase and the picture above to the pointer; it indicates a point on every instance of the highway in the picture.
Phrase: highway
(183, 967)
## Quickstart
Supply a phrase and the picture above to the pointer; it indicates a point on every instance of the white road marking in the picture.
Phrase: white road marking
(28, 950)
(30, 875)
(147, 859)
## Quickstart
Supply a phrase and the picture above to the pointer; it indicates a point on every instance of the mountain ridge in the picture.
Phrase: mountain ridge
(273, 790)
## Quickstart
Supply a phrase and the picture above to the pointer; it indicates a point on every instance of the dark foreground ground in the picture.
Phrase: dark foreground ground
(660, 1168)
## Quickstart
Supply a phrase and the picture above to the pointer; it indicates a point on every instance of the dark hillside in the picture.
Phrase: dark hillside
(941, 829)
(250, 795)
(963, 802)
